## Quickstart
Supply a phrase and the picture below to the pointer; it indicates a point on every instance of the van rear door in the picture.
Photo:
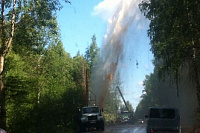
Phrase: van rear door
(163, 119)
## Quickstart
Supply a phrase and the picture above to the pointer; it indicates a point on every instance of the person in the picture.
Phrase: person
(2, 131)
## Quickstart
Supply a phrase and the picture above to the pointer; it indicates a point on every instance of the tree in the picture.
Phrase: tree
(171, 31)
(5, 40)
(79, 73)
(38, 16)
(57, 71)
(58, 78)
(91, 53)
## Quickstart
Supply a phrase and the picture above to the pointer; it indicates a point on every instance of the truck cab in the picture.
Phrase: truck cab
(91, 117)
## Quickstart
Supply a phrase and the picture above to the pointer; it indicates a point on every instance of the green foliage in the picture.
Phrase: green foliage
(156, 93)
(174, 37)
(47, 97)
(111, 107)
(150, 96)
(56, 66)
(20, 91)
(44, 85)
(91, 54)
(173, 31)
(14, 65)
(79, 67)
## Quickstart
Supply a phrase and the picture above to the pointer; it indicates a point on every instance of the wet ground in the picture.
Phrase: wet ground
(130, 128)
(125, 128)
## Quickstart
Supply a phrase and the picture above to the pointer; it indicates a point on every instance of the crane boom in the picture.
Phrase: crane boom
(123, 98)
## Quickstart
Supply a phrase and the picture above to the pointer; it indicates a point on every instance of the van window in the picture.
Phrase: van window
(162, 113)
(168, 113)
(154, 113)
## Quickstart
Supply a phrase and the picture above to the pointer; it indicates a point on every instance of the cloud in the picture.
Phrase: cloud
(106, 9)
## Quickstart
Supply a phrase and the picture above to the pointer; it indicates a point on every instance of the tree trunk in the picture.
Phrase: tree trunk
(196, 76)
(2, 96)
(3, 105)
(4, 49)
(196, 73)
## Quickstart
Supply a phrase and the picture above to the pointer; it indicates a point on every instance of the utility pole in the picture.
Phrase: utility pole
(93, 100)
(85, 83)
(87, 89)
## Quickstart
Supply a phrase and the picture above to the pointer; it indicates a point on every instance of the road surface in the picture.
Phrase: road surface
(138, 128)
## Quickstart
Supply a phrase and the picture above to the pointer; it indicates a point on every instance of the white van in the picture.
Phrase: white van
(163, 119)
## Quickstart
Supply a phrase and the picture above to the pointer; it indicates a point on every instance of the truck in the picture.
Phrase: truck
(91, 117)
(127, 115)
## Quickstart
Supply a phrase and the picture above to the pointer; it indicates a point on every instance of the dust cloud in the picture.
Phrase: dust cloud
(125, 19)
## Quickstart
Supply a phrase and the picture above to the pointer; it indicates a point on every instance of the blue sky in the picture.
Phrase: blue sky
(82, 19)
(78, 25)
